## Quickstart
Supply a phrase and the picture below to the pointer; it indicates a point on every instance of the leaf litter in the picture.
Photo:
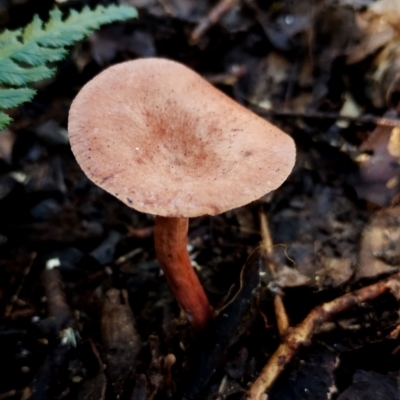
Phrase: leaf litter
(334, 225)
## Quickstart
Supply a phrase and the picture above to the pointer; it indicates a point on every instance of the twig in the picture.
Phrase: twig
(127, 256)
(216, 13)
(167, 8)
(7, 395)
(362, 119)
(59, 313)
(169, 361)
(267, 244)
(302, 333)
(58, 324)
(395, 332)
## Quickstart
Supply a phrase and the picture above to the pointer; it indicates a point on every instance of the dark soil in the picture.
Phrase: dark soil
(85, 311)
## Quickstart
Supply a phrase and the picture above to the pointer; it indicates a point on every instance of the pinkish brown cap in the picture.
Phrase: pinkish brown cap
(164, 141)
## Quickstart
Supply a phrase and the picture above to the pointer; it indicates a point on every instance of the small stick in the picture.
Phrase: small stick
(362, 119)
(167, 8)
(169, 361)
(59, 313)
(7, 395)
(395, 332)
(267, 244)
(216, 13)
(127, 256)
(302, 333)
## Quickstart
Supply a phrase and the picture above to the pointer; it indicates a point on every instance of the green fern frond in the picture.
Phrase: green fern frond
(4, 120)
(25, 53)
(10, 98)
(14, 75)
(33, 54)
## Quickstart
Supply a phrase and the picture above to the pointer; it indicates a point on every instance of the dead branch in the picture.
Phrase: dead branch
(302, 333)
(216, 13)
(362, 119)
(267, 244)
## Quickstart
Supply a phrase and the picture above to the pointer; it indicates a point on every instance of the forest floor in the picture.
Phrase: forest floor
(85, 311)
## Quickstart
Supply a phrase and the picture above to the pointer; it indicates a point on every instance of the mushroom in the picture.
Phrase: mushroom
(161, 139)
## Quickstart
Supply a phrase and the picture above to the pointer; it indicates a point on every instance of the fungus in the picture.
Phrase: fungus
(161, 139)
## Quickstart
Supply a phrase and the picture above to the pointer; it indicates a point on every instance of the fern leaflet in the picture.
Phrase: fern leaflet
(25, 53)
(10, 98)
(4, 120)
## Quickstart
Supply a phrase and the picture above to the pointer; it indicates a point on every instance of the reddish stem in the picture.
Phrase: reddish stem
(170, 237)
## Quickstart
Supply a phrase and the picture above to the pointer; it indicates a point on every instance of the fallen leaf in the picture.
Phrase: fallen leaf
(380, 244)
(377, 180)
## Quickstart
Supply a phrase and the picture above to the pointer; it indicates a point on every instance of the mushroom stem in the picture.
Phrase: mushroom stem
(170, 238)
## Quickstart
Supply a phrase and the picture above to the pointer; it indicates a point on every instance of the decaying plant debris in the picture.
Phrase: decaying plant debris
(304, 282)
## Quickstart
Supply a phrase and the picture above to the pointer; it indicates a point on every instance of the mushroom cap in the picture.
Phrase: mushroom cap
(161, 139)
